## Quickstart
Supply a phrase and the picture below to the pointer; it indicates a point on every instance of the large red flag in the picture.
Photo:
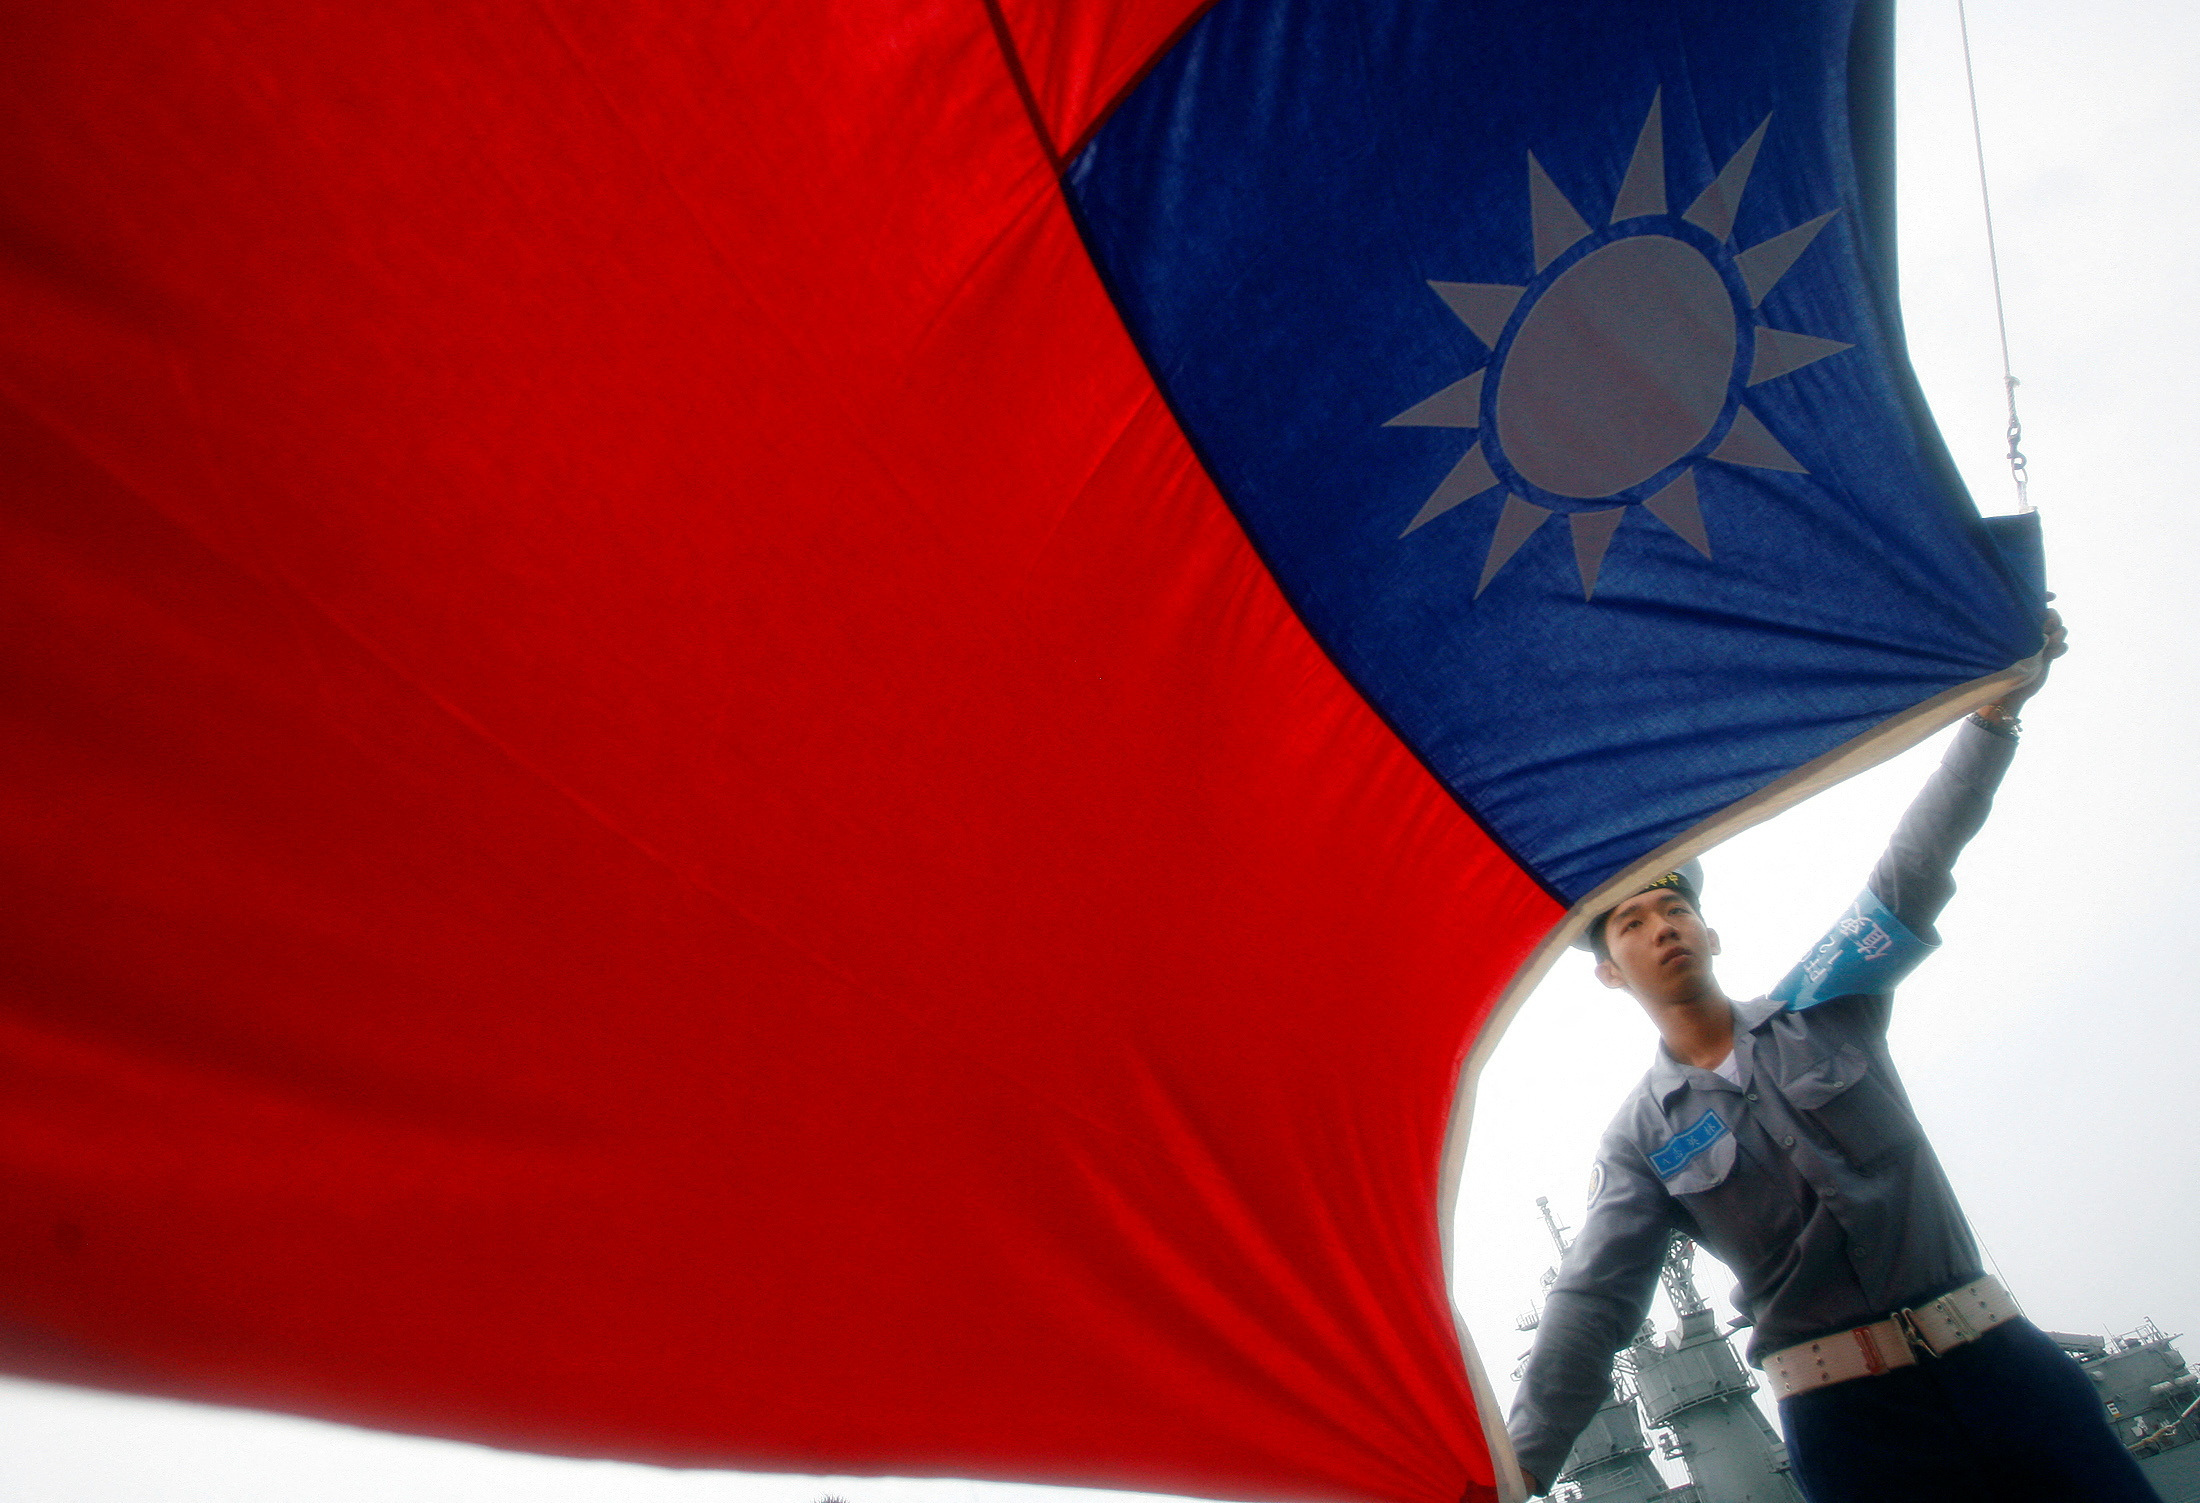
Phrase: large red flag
(651, 807)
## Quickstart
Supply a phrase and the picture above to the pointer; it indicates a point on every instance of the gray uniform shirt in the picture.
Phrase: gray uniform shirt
(1810, 1179)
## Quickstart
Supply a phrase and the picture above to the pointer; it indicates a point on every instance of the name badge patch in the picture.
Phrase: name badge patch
(1674, 1156)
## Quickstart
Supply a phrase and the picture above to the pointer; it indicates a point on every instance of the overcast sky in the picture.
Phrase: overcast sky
(2050, 1048)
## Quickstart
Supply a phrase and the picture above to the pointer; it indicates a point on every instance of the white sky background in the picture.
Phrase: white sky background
(2051, 1048)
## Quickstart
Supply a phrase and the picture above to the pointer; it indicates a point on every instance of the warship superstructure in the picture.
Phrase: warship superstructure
(2153, 1403)
(1691, 1391)
(1688, 1398)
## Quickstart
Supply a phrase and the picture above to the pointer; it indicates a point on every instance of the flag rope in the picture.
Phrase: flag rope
(2017, 462)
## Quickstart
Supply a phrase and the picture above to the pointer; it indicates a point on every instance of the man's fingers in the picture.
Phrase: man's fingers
(2058, 635)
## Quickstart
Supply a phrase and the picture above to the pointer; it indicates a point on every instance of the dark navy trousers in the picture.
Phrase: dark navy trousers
(2009, 1418)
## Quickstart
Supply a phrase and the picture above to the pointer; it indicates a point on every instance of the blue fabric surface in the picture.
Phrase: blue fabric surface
(1270, 208)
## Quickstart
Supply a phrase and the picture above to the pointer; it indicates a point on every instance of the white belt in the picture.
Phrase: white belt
(1936, 1327)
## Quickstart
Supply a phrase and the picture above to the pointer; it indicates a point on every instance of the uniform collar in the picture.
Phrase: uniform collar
(1668, 1075)
(1751, 1015)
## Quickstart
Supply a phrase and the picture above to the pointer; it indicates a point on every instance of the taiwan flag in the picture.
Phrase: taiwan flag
(811, 736)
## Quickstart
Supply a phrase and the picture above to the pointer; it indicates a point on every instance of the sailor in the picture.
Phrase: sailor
(1776, 1133)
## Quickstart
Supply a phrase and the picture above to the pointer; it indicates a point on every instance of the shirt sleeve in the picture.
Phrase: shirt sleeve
(1888, 931)
(1602, 1294)
(1915, 878)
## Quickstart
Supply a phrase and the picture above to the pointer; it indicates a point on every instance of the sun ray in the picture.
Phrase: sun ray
(1592, 536)
(1469, 478)
(1515, 525)
(1481, 306)
(1458, 405)
(1676, 507)
(1780, 351)
(1714, 211)
(1750, 442)
(1764, 263)
(1558, 223)
(1642, 191)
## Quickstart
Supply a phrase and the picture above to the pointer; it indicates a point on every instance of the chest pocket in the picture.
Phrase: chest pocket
(1696, 1159)
(1853, 1105)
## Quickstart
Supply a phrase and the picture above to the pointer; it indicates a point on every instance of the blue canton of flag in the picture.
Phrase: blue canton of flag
(1548, 355)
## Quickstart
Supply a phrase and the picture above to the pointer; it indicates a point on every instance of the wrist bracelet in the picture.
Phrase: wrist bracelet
(2007, 726)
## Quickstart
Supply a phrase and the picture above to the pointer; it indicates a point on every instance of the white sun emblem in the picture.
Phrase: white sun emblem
(1621, 365)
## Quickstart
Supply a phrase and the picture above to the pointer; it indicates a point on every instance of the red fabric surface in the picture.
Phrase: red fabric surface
(1077, 60)
(650, 808)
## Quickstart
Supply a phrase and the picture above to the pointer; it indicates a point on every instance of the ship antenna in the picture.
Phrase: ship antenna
(1679, 1275)
(1550, 1224)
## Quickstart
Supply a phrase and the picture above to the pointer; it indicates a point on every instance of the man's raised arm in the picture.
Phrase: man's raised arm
(1888, 931)
(1914, 879)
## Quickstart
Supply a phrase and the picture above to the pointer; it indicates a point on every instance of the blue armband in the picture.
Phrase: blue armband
(1868, 953)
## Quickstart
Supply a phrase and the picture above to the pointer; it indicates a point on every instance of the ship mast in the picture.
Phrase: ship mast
(1678, 1273)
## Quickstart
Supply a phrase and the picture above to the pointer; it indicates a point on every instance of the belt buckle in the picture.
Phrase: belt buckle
(1915, 1337)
